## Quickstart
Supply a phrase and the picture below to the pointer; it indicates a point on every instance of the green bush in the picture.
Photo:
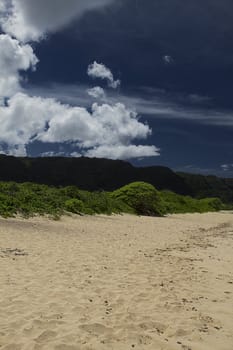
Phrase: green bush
(70, 192)
(142, 197)
(174, 203)
(76, 206)
(103, 203)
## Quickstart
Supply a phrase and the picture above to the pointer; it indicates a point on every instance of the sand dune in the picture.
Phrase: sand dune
(119, 282)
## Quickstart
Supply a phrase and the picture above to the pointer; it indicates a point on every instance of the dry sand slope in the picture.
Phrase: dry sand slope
(118, 282)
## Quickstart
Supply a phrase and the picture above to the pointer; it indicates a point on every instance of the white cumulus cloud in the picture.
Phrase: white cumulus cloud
(14, 57)
(97, 92)
(99, 70)
(29, 20)
(106, 131)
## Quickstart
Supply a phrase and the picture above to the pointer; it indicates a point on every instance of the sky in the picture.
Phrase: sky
(150, 82)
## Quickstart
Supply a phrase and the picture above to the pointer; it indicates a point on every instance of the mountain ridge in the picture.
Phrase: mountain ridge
(95, 174)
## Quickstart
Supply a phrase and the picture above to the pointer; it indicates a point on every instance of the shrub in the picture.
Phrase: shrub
(142, 197)
(103, 203)
(70, 192)
(174, 203)
(75, 206)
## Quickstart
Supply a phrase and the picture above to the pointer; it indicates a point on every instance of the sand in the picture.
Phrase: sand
(119, 282)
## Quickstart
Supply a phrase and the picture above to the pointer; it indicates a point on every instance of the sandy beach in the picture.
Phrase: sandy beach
(118, 282)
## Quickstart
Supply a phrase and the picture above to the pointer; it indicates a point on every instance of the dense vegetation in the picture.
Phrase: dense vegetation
(140, 198)
(109, 175)
(174, 203)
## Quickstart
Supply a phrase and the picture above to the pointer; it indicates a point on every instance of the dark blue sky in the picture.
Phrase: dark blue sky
(186, 99)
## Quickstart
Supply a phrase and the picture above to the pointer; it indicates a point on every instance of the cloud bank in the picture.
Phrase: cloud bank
(105, 131)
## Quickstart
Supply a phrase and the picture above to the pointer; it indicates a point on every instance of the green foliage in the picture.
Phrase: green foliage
(70, 192)
(174, 203)
(142, 197)
(77, 206)
(103, 203)
(139, 198)
(28, 199)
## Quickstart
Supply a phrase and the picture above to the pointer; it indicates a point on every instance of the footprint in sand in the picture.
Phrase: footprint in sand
(66, 347)
(12, 347)
(144, 340)
(180, 332)
(46, 336)
(153, 326)
(95, 328)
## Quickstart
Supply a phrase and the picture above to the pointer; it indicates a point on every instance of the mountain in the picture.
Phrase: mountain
(209, 186)
(104, 174)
